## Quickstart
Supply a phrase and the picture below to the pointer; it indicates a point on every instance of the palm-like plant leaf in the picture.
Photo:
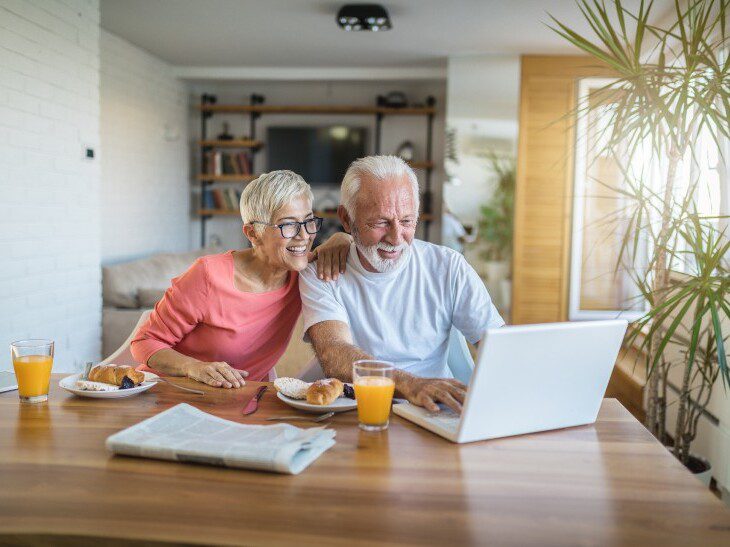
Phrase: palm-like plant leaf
(671, 84)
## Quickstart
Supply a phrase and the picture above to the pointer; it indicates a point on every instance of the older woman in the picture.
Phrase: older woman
(231, 315)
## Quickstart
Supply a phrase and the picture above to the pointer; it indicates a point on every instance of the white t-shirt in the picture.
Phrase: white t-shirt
(404, 316)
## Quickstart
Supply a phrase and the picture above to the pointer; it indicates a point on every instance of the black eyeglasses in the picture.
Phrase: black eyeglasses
(291, 229)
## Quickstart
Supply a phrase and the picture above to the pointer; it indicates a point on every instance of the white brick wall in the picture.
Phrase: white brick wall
(145, 192)
(49, 227)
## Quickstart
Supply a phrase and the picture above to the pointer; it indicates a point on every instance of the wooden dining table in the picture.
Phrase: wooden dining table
(610, 483)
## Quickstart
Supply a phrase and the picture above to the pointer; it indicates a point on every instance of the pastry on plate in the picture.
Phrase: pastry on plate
(114, 374)
(294, 388)
(86, 385)
(324, 392)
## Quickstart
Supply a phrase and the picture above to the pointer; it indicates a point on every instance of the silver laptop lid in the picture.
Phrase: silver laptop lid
(538, 377)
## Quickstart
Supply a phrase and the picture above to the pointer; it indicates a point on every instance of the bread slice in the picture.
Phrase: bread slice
(86, 385)
(293, 388)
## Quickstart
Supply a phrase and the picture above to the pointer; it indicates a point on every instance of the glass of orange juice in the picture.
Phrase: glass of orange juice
(32, 361)
(374, 387)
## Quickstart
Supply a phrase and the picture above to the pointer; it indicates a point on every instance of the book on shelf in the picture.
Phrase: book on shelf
(221, 199)
(217, 162)
(234, 196)
(229, 166)
(207, 201)
(227, 199)
(217, 198)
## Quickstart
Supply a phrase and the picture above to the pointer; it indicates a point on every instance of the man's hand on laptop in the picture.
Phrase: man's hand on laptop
(428, 392)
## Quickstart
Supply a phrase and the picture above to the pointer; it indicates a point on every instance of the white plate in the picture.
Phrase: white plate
(69, 384)
(340, 405)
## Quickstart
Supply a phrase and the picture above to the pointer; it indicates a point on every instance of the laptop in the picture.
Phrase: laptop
(530, 378)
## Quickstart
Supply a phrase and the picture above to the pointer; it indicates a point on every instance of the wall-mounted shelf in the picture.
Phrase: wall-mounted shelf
(225, 178)
(238, 143)
(217, 212)
(314, 109)
(231, 212)
(421, 164)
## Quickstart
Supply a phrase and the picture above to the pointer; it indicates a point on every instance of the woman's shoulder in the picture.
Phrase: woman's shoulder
(209, 266)
(216, 260)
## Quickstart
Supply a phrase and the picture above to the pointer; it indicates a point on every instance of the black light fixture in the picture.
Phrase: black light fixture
(372, 17)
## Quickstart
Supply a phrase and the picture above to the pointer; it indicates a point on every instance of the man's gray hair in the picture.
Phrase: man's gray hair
(268, 193)
(380, 168)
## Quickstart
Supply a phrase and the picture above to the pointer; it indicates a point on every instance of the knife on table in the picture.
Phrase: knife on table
(253, 404)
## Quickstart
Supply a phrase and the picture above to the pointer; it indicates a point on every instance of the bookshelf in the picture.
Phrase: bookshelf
(235, 143)
(424, 217)
(208, 107)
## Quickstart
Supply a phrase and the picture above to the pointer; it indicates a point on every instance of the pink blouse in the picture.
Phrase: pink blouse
(204, 316)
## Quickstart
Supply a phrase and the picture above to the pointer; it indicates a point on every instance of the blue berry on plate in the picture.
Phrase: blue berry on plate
(126, 383)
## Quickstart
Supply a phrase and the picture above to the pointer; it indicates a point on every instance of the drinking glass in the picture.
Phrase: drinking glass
(374, 387)
(32, 361)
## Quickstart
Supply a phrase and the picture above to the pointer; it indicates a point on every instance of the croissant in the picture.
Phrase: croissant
(114, 374)
(324, 392)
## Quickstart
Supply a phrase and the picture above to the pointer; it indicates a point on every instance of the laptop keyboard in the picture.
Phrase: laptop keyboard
(447, 418)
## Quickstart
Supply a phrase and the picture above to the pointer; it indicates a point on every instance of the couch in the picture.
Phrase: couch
(130, 288)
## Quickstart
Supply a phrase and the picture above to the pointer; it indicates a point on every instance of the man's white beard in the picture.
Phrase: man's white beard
(382, 265)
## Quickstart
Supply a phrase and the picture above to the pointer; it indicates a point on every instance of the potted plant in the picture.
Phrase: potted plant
(496, 225)
(671, 84)
(688, 322)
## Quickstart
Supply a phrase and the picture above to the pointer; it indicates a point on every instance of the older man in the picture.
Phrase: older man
(400, 296)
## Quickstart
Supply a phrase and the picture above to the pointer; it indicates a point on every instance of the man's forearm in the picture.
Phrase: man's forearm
(402, 381)
(337, 358)
(336, 352)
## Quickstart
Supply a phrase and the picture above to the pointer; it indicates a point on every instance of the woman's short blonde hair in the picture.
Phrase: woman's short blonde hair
(268, 193)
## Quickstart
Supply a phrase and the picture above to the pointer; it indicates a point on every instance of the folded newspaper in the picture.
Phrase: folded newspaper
(185, 434)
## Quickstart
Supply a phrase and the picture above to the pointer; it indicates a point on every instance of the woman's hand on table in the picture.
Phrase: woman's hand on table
(217, 374)
(331, 256)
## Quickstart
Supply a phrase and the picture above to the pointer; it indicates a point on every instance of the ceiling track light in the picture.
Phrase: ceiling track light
(372, 17)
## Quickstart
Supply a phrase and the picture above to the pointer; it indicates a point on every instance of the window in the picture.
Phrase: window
(597, 289)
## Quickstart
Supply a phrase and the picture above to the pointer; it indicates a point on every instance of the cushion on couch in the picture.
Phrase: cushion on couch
(121, 283)
(149, 297)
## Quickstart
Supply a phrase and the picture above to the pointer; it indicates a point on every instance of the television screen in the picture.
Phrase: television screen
(319, 154)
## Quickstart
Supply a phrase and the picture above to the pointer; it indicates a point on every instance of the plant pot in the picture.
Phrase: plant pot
(700, 468)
